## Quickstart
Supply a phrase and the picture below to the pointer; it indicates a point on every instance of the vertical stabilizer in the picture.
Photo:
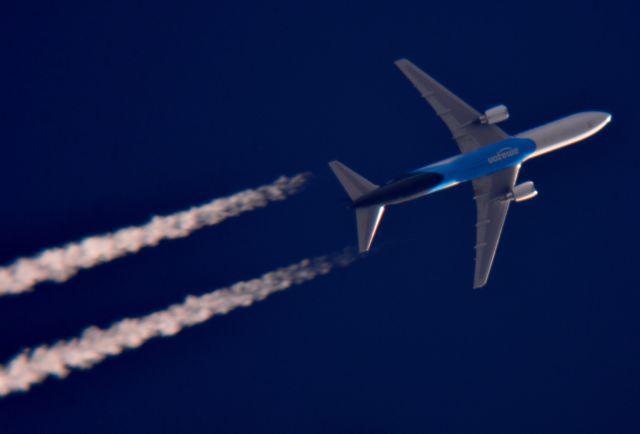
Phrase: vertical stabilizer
(367, 218)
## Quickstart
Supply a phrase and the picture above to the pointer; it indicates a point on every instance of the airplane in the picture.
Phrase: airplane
(489, 158)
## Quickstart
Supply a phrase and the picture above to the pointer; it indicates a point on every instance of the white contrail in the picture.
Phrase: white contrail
(94, 344)
(61, 263)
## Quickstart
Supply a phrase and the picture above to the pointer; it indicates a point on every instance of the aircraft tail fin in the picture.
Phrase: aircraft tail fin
(367, 218)
(354, 184)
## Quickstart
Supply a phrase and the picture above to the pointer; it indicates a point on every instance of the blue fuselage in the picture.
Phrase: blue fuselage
(447, 173)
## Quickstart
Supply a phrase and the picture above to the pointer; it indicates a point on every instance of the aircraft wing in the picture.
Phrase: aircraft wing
(461, 118)
(491, 214)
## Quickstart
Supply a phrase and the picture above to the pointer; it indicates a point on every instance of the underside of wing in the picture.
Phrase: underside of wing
(492, 208)
(462, 119)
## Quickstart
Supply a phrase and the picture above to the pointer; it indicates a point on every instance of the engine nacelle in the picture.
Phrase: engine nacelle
(524, 191)
(494, 115)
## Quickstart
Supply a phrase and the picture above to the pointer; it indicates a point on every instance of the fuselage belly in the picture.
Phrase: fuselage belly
(487, 160)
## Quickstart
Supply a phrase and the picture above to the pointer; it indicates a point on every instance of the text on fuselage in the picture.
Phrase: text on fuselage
(503, 154)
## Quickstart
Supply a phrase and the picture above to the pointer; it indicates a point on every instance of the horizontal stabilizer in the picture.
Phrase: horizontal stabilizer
(354, 184)
(368, 220)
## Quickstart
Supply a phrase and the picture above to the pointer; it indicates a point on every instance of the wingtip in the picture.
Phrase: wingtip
(401, 61)
(478, 285)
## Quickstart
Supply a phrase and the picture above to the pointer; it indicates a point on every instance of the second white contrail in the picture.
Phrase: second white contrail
(96, 344)
(61, 263)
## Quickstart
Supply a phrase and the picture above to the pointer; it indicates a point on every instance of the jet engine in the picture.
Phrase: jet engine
(495, 115)
(524, 191)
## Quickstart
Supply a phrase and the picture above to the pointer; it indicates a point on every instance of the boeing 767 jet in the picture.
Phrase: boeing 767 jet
(489, 158)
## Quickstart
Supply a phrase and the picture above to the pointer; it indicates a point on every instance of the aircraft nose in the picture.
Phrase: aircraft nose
(597, 120)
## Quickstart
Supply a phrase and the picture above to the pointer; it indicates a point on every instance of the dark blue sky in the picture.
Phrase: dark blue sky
(112, 113)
